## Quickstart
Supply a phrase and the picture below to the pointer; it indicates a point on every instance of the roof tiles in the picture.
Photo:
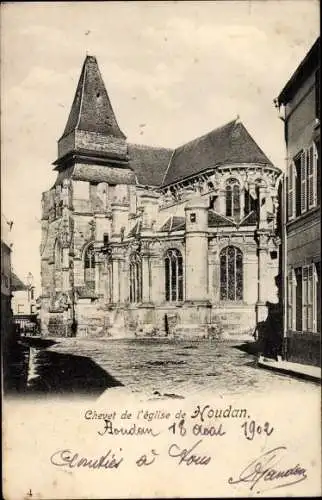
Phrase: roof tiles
(91, 110)
(229, 144)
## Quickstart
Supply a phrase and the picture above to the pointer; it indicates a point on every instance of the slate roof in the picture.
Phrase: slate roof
(215, 220)
(135, 229)
(91, 110)
(230, 143)
(250, 219)
(16, 283)
(149, 163)
(305, 68)
(174, 223)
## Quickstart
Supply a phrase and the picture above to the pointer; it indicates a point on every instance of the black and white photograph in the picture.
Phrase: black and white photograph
(160, 249)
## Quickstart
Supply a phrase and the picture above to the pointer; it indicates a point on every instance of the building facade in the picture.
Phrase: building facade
(6, 311)
(23, 303)
(23, 296)
(140, 240)
(300, 101)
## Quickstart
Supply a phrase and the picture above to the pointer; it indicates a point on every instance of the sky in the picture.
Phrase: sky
(173, 71)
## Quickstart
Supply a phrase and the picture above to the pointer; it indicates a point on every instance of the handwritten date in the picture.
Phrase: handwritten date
(252, 429)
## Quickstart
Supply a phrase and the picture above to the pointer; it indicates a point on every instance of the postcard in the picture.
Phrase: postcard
(160, 249)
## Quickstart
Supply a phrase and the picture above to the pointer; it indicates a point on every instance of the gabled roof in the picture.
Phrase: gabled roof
(174, 223)
(215, 220)
(149, 163)
(91, 110)
(229, 144)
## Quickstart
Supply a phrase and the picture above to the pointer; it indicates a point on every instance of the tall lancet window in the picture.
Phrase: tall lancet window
(231, 274)
(233, 198)
(58, 263)
(89, 267)
(135, 277)
(173, 276)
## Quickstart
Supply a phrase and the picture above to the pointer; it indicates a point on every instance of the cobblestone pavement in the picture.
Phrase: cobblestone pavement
(181, 368)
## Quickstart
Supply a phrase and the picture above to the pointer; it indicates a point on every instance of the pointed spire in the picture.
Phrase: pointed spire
(91, 110)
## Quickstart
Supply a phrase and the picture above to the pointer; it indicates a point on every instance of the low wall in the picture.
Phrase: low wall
(95, 319)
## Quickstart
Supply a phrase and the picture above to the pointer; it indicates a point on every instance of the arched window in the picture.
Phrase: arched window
(173, 276)
(135, 277)
(89, 267)
(232, 198)
(231, 274)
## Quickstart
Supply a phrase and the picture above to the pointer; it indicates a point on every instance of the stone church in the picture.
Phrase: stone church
(149, 241)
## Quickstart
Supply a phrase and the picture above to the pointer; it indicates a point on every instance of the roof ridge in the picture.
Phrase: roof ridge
(82, 97)
(254, 142)
(91, 108)
(217, 129)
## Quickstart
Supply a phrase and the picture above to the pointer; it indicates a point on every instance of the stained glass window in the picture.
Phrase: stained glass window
(173, 276)
(231, 274)
(89, 267)
(135, 277)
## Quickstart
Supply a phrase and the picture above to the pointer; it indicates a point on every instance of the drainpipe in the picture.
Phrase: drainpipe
(284, 263)
(282, 116)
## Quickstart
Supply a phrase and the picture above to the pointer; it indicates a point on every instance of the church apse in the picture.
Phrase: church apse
(153, 241)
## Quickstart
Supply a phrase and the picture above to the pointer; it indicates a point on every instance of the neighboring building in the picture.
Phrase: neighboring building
(6, 312)
(143, 240)
(300, 100)
(24, 306)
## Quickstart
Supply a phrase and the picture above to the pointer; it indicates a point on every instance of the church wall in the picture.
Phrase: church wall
(90, 321)
(81, 196)
(250, 277)
(95, 318)
(99, 142)
(45, 277)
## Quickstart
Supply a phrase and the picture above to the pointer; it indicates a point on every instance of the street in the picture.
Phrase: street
(168, 368)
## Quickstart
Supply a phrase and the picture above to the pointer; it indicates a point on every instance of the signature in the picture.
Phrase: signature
(186, 456)
(265, 469)
(67, 458)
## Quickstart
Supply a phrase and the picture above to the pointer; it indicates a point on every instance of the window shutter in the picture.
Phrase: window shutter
(310, 177)
(310, 298)
(291, 191)
(304, 298)
(318, 173)
(316, 186)
(303, 181)
(314, 298)
(290, 300)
